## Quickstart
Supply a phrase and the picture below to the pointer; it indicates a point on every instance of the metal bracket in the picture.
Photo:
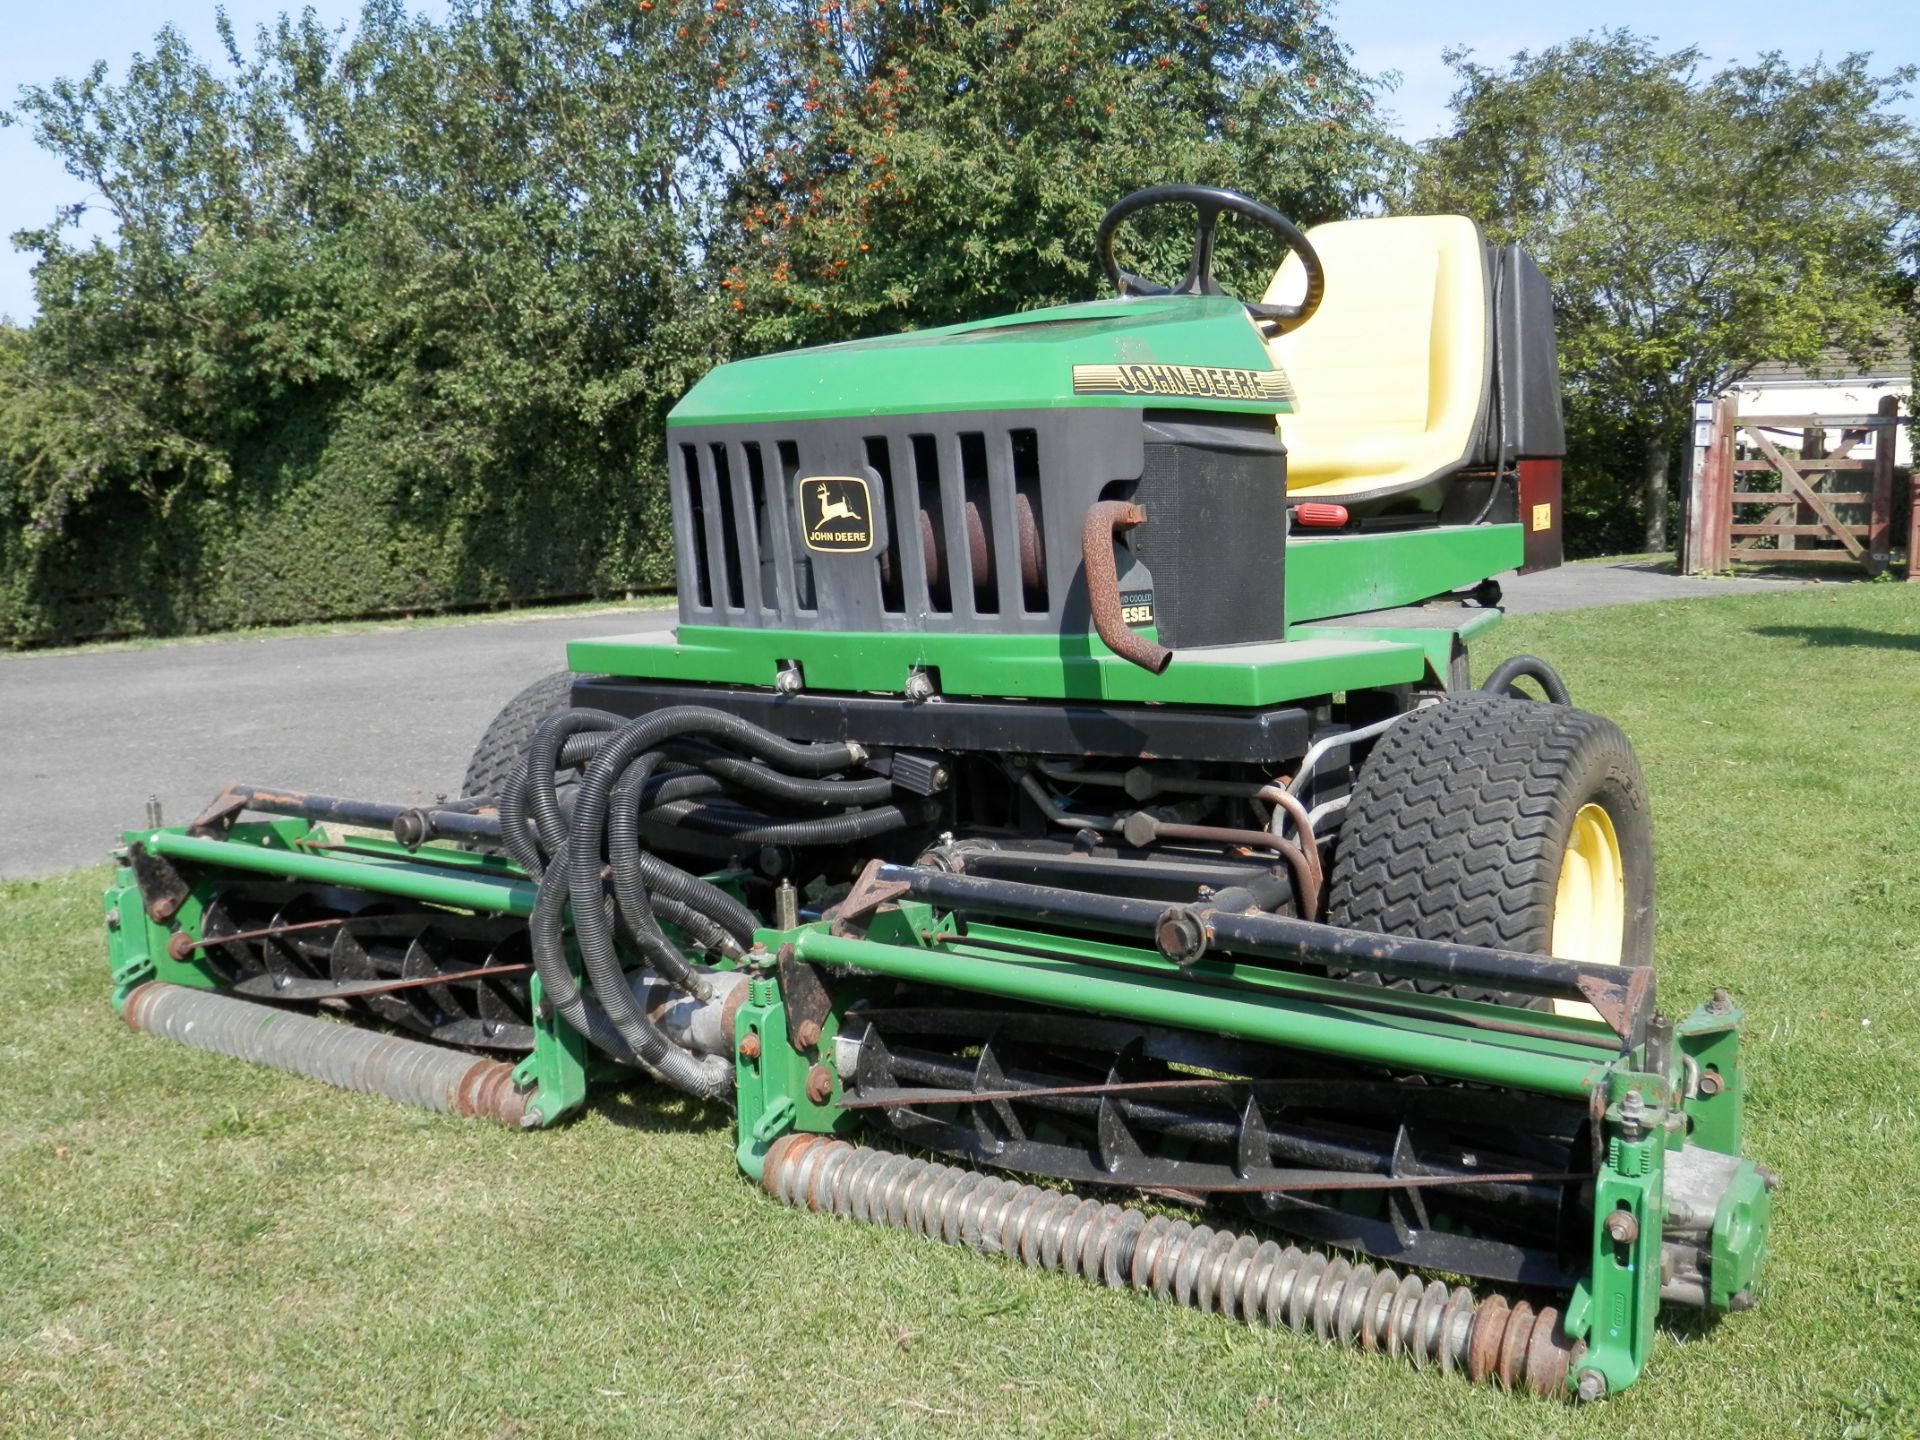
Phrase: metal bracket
(805, 995)
(776, 1121)
(849, 918)
(163, 890)
(1405, 1208)
(1621, 1004)
(217, 819)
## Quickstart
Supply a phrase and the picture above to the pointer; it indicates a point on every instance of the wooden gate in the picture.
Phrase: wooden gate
(1751, 503)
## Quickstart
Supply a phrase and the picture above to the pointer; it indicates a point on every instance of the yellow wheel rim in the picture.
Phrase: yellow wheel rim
(1590, 903)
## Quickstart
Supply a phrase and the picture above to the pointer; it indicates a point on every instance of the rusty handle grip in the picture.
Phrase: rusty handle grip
(1104, 521)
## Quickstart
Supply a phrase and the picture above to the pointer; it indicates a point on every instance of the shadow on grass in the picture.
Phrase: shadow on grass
(653, 1109)
(1805, 571)
(1834, 637)
(1684, 1322)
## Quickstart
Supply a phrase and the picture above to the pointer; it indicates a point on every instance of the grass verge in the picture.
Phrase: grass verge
(193, 1247)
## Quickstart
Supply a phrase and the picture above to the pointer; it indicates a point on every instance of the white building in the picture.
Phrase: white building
(1844, 389)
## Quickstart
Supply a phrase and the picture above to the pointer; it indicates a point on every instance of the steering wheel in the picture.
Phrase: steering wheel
(1209, 201)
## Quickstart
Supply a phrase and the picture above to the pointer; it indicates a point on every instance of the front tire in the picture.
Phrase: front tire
(1483, 820)
(506, 737)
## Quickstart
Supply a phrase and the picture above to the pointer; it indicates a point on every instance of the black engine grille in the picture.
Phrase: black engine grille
(976, 523)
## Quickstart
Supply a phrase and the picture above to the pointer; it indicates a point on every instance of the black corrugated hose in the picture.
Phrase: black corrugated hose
(1500, 682)
(575, 849)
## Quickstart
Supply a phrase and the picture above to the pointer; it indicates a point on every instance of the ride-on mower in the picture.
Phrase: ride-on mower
(1064, 766)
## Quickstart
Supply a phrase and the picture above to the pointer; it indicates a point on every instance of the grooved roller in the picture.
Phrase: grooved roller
(429, 1076)
(1239, 1276)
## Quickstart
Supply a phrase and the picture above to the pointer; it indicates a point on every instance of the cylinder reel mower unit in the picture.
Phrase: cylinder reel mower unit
(1065, 767)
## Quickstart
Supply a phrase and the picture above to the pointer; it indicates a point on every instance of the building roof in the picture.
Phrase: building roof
(1833, 367)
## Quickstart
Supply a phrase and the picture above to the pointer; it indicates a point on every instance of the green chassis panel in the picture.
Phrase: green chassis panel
(1352, 574)
(1036, 666)
(1329, 577)
(1016, 362)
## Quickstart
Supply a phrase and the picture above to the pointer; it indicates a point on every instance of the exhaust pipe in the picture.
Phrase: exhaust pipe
(1104, 521)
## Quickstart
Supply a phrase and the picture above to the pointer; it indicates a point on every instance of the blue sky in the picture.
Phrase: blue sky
(45, 40)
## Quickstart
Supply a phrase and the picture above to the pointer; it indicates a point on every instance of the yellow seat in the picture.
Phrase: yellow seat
(1392, 374)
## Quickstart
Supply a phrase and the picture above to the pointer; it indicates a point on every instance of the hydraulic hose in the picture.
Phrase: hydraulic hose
(700, 928)
(518, 831)
(705, 1079)
(543, 759)
(593, 934)
(793, 789)
(668, 883)
(557, 986)
(630, 891)
(756, 829)
(684, 785)
(617, 1024)
(516, 825)
(572, 855)
(1500, 682)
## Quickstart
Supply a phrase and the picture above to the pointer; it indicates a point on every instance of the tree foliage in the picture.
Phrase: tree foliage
(1692, 225)
(931, 162)
(391, 320)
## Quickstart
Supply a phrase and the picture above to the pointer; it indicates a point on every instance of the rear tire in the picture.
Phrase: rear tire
(1463, 820)
(505, 739)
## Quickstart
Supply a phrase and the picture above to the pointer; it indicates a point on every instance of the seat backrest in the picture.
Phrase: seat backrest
(1392, 375)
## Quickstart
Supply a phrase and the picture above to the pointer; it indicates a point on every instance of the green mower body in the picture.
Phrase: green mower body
(975, 451)
(1036, 779)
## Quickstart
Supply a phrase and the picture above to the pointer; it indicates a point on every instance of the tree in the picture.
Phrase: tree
(386, 321)
(938, 160)
(1692, 225)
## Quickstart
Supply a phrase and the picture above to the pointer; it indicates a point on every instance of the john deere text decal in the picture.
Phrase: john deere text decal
(1210, 382)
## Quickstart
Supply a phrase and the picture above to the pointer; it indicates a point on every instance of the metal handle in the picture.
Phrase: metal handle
(1104, 521)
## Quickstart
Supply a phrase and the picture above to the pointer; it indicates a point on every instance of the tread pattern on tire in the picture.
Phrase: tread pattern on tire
(507, 734)
(1457, 818)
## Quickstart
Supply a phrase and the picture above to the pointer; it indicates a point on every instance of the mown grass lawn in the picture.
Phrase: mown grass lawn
(189, 1246)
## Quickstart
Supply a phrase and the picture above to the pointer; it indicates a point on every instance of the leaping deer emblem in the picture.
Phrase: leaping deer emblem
(833, 509)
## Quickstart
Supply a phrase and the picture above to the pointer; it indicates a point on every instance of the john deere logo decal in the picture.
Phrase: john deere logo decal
(836, 514)
(1206, 381)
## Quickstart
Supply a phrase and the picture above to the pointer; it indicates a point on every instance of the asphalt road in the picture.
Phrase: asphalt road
(388, 714)
(375, 714)
(1587, 585)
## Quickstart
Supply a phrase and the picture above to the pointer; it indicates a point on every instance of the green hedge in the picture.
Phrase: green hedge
(316, 524)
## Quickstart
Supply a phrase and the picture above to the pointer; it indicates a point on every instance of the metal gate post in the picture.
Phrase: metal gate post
(1694, 509)
(1880, 522)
